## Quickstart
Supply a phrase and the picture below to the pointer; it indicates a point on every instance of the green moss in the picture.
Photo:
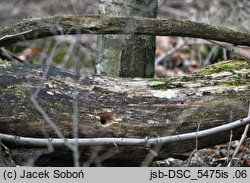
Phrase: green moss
(156, 79)
(160, 86)
(164, 85)
(4, 62)
(228, 66)
(49, 81)
(236, 82)
(19, 92)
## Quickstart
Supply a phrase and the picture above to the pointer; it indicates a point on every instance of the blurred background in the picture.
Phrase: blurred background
(174, 55)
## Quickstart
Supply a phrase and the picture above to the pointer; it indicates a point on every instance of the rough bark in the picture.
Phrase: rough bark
(126, 55)
(137, 108)
(35, 28)
(5, 156)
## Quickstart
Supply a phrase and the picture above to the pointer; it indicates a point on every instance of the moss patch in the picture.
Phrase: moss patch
(156, 79)
(227, 66)
(19, 92)
(160, 86)
(5, 62)
(236, 82)
(163, 84)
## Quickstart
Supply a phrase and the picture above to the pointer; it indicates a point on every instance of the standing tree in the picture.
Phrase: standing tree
(126, 55)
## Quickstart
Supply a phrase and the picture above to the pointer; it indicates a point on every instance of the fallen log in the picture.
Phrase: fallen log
(32, 96)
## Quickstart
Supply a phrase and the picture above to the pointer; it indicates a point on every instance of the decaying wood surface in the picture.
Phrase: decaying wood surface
(118, 107)
(5, 156)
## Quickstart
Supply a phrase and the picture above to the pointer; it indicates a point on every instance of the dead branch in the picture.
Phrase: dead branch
(41, 142)
(242, 52)
(36, 28)
(243, 137)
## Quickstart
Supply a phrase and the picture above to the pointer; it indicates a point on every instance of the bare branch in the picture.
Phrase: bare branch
(35, 28)
(243, 137)
(14, 35)
(240, 51)
(42, 142)
(10, 56)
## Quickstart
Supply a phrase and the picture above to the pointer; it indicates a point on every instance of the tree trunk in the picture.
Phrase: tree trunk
(115, 107)
(126, 55)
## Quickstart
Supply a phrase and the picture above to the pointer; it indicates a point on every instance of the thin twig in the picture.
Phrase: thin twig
(243, 137)
(43, 142)
(190, 157)
(10, 56)
(242, 52)
(151, 155)
(34, 101)
(170, 52)
(229, 145)
(196, 147)
(179, 46)
(15, 35)
(197, 139)
(207, 60)
(93, 156)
